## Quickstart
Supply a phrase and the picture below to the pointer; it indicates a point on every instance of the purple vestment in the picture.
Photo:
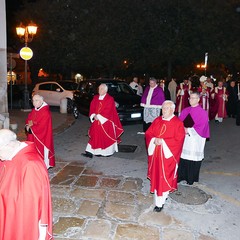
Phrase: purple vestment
(200, 118)
(157, 97)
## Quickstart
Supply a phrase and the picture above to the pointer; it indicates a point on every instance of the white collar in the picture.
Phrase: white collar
(168, 119)
(101, 97)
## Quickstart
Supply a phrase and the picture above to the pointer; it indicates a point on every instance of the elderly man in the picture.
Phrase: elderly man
(197, 130)
(25, 202)
(164, 139)
(106, 127)
(134, 84)
(39, 130)
(152, 99)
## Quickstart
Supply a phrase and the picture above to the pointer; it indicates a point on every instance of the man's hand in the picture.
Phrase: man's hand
(30, 123)
(158, 141)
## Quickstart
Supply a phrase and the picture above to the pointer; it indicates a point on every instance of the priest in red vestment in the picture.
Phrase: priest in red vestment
(25, 198)
(106, 127)
(183, 92)
(39, 130)
(164, 140)
(221, 97)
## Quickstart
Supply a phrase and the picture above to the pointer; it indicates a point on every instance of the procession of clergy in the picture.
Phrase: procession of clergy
(175, 139)
(176, 134)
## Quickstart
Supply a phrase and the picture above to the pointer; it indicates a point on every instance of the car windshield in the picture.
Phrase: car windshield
(69, 85)
(116, 88)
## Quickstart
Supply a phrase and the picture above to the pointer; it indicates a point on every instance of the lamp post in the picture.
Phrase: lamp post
(26, 34)
(202, 67)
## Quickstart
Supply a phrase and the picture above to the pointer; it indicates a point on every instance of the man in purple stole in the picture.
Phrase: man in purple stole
(197, 130)
(152, 100)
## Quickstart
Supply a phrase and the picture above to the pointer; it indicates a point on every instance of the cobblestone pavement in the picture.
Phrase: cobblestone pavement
(90, 205)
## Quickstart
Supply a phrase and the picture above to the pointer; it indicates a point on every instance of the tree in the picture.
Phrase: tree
(156, 36)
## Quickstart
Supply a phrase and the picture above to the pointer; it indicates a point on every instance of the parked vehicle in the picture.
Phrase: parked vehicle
(127, 102)
(53, 92)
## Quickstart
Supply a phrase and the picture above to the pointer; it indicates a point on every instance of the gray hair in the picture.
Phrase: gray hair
(104, 85)
(195, 93)
(172, 105)
(152, 79)
(38, 95)
(7, 136)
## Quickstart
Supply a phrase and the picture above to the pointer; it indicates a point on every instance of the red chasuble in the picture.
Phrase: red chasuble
(104, 135)
(42, 132)
(161, 170)
(182, 100)
(219, 96)
(25, 197)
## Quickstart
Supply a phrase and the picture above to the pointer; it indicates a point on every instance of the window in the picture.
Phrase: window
(46, 87)
(55, 87)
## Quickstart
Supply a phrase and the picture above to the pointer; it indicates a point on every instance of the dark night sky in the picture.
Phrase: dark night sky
(11, 7)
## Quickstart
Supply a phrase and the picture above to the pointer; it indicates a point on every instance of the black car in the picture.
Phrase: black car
(126, 101)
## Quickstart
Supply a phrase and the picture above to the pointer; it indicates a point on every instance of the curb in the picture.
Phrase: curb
(67, 124)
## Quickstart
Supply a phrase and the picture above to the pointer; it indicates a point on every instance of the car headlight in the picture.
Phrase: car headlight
(116, 104)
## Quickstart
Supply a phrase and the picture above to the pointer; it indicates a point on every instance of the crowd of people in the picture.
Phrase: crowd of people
(176, 126)
(220, 98)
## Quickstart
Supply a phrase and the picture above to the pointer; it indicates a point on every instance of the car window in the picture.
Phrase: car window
(69, 85)
(45, 87)
(113, 89)
(125, 88)
(55, 87)
(91, 88)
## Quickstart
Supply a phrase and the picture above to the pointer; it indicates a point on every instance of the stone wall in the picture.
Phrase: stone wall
(4, 119)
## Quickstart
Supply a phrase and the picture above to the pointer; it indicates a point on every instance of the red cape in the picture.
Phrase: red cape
(111, 130)
(42, 129)
(25, 196)
(161, 170)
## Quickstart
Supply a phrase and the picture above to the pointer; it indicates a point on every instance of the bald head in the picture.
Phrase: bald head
(102, 89)
(37, 100)
(8, 144)
(6, 136)
(168, 108)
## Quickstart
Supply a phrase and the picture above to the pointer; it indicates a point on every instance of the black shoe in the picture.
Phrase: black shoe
(158, 209)
(87, 154)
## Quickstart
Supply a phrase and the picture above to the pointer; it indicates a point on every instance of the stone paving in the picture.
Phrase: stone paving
(90, 205)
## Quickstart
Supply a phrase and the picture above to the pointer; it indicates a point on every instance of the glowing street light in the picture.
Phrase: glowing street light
(26, 34)
(201, 66)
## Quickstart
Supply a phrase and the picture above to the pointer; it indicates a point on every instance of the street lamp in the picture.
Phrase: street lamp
(26, 35)
(202, 67)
